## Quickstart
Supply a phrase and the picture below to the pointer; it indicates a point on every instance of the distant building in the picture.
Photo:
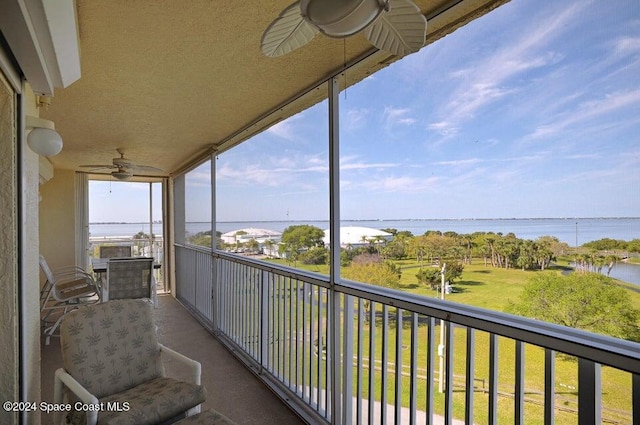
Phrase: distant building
(355, 237)
(262, 236)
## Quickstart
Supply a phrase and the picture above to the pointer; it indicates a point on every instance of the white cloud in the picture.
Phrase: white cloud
(461, 162)
(444, 128)
(513, 160)
(397, 184)
(286, 129)
(271, 171)
(587, 112)
(198, 178)
(397, 116)
(627, 45)
(494, 77)
(354, 163)
(356, 118)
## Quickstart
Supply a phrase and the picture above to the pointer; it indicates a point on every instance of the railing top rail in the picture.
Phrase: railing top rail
(199, 248)
(303, 275)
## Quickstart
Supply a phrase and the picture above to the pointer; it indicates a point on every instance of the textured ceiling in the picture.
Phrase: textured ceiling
(167, 80)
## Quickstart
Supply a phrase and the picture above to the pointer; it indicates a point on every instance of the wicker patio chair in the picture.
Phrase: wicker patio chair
(115, 251)
(129, 278)
(111, 355)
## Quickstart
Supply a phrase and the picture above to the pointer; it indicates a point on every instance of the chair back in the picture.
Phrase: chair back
(112, 346)
(115, 251)
(129, 278)
(48, 274)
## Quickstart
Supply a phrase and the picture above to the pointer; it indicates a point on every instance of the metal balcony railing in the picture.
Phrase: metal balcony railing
(352, 353)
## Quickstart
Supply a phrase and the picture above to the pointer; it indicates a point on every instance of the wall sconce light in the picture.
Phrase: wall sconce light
(43, 138)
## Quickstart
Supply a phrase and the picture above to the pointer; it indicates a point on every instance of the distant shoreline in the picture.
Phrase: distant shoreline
(383, 219)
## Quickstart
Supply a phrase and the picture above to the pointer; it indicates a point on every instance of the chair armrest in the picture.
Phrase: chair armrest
(68, 269)
(196, 368)
(62, 377)
(74, 285)
(70, 272)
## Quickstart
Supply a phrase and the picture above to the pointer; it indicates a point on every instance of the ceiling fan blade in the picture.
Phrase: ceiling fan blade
(98, 166)
(288, 32)
(401, 30)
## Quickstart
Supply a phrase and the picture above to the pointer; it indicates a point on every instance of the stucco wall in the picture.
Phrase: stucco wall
(9, 317)
(57, 219)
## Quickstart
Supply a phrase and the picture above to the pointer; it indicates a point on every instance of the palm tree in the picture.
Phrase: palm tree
(379, 242)
(269, 244)
(611, 261)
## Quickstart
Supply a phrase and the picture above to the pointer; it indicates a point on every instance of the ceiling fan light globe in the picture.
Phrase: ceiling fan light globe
(121, 175)
(341, 18)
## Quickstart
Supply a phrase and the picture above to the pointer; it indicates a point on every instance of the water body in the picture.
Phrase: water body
(573, 231)
(626, 273)
(122, 229)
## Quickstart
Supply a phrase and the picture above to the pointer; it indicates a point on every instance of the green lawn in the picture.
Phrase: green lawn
(480, 286)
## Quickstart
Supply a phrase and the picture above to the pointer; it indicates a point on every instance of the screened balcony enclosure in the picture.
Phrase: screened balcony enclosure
(511, 110)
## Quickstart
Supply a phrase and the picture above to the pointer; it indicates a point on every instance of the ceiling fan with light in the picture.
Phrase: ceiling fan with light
(396, 26)
(123, 168)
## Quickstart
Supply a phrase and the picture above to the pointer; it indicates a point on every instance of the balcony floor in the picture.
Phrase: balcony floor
(231, 388)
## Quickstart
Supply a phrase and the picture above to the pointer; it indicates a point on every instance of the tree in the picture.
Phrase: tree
(397, 248)
(316, 255)
(634, 245)
(588, 301)
(429, 276)
(238, 235)
(303, 236)
(453, 271)
(300, 238)
(611, 260)
(432, 276)
(606, 244)
(433, 244)
(269, 245)
(201, 239)
(253, 245)
(556, 247)
(368, 268)
(526, 255)
(547, 249)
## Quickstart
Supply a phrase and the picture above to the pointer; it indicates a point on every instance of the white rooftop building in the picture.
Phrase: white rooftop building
(245, 235)
(354, 236)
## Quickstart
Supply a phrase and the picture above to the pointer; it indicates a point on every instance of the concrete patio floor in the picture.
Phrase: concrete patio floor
(231, 388)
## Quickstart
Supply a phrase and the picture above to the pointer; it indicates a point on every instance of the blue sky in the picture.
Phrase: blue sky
(117, 201)
(530, 111)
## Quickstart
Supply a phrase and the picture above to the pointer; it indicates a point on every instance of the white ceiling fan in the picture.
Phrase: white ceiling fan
(123, 168)
(396, 26)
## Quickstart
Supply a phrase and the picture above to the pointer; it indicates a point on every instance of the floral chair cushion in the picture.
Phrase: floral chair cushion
(111, 347)
(152, 402)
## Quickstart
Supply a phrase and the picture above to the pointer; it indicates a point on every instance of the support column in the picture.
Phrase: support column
(214, 246)
(334, 235)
